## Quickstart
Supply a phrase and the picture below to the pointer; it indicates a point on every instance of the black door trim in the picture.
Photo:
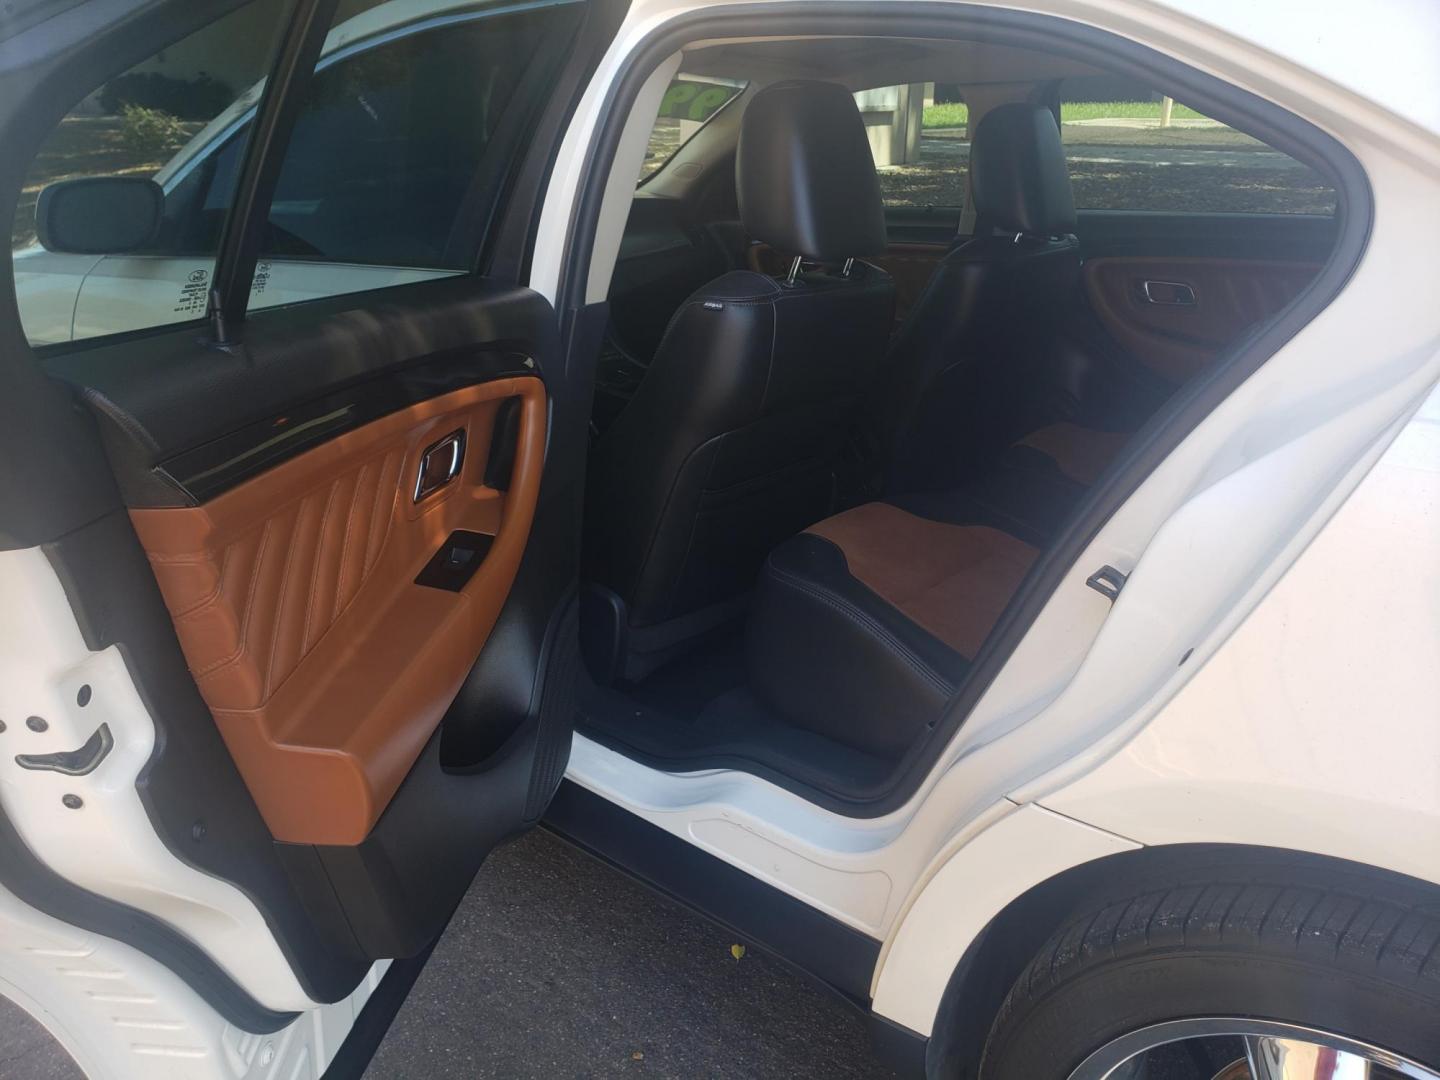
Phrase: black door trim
(248, 214)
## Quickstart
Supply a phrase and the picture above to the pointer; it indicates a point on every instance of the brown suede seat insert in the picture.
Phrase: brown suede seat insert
(952, 580)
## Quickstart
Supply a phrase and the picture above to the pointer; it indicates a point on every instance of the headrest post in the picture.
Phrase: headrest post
(794, 271)
(848, 264)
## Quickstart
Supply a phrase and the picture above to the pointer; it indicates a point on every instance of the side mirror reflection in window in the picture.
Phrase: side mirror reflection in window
(99, 215)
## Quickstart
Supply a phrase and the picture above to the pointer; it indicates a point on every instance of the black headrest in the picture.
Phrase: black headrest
(1017, 172)
(805, 176)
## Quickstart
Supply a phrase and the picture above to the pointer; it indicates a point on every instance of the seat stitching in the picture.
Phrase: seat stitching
(316, 567)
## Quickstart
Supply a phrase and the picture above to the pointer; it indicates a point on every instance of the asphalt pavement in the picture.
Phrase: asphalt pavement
(557, 966)
(27, 1052)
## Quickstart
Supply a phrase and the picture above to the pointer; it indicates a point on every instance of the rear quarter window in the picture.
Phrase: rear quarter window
(1129, 147)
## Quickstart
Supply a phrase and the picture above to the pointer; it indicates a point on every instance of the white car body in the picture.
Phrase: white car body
(1095, 717)
(1269, 676)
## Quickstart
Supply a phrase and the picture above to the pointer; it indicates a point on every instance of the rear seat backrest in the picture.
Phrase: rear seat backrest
(967, 371)
(729, 445)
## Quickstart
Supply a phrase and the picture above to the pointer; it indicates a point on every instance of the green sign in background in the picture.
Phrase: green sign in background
(690, 100)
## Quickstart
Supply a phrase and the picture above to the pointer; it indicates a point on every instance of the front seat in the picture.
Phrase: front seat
(983, 358)
(730, 443)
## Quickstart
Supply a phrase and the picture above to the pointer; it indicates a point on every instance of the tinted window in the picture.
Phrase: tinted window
(1130, 148)
(394, 135)
(397, 162)
(152, 122)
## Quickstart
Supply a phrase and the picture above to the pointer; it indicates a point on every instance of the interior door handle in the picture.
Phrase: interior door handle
(1168, 292)
(439, 464)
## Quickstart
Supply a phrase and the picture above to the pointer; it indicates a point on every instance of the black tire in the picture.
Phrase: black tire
(1350, 953)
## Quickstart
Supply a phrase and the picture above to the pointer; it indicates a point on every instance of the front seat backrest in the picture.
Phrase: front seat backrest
(729, 445)
(970, 369)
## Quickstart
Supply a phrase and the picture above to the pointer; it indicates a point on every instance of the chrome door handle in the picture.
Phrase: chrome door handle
(1168, 292)
(439, 464)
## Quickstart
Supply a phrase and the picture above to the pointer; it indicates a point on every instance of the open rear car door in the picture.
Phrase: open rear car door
(288, 637)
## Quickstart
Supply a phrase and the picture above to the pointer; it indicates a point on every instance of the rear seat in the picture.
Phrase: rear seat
(865, 623)
(1030, 488)
(1000, 382)
(997, 391)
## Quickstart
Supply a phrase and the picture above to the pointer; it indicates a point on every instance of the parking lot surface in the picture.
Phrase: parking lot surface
(558, 966)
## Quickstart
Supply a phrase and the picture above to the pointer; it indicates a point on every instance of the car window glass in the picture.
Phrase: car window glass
(405, 138)
(920, 138)
(1131, 148)
(689, 103)
(141, 142)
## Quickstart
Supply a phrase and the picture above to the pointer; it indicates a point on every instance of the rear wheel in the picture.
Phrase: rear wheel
(1320, 975)
(1242, 1048)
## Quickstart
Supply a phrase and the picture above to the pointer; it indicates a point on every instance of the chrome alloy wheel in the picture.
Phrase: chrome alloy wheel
(1245, 1050)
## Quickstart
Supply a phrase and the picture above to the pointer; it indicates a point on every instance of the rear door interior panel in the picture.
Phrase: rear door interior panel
(335, 541)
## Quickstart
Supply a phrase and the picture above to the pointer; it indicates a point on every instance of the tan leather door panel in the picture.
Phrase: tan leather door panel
(326, 667)
(1177, 340)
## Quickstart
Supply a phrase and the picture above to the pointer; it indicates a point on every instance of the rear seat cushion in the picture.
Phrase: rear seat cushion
(951, 580)
(865, 623)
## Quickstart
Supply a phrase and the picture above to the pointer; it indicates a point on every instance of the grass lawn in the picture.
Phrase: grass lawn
(955, 113)
(950, 114)
(1143, 110)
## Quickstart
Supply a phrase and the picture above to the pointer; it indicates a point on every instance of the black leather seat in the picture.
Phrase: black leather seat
(865, 624)
(730, 443)
(971, 363)
(997, 418)
(993, 382)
